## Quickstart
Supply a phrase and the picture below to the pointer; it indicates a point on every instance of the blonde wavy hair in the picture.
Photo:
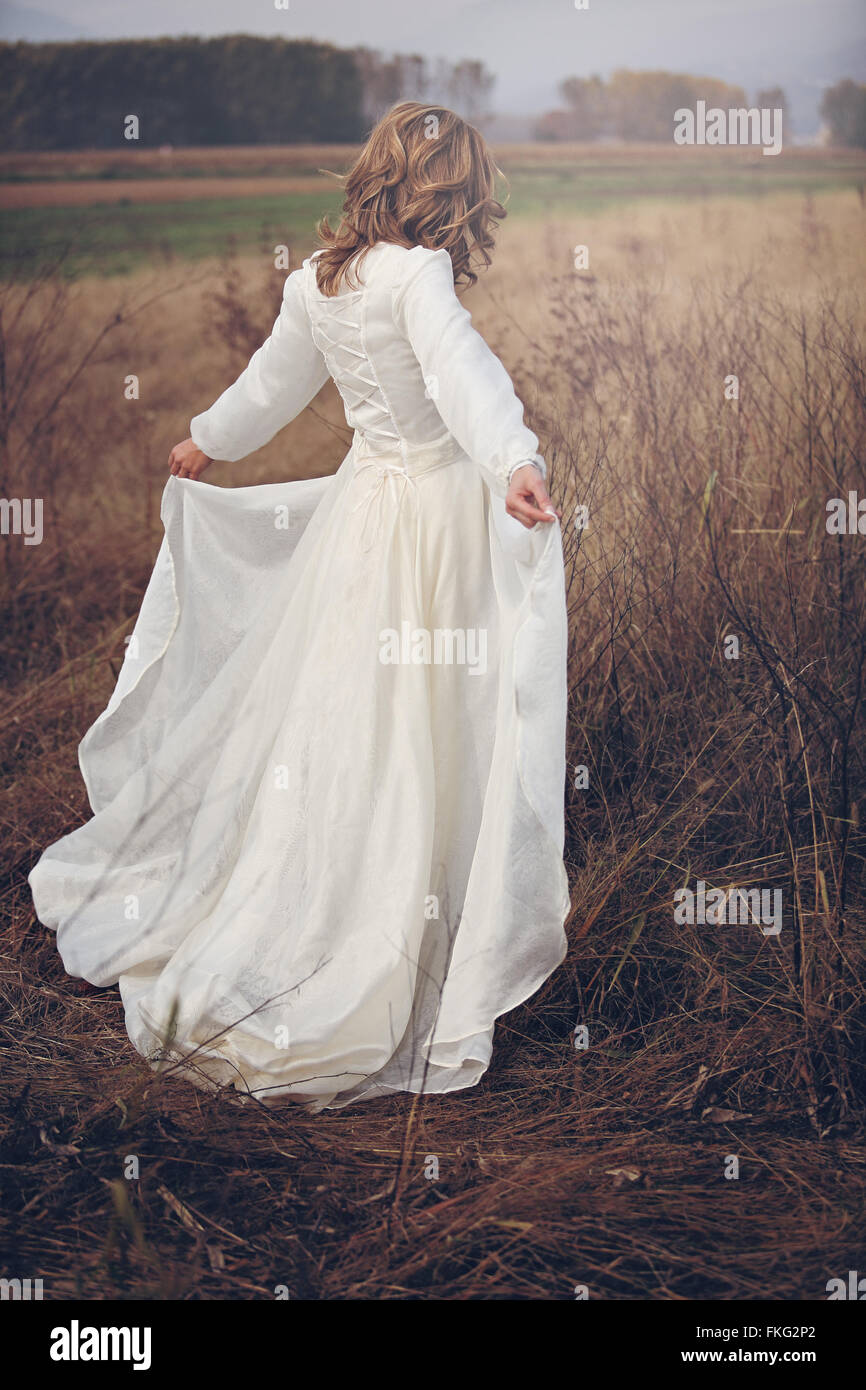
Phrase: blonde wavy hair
(424, 178)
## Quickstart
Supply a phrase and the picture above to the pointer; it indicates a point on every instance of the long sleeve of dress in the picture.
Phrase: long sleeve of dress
(469, 385)
(282, 377)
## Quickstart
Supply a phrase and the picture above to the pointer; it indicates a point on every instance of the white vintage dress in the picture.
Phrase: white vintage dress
(326, 848)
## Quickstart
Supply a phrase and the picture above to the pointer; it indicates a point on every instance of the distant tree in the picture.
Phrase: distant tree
(773, 99)
(381, 82)
(414, 77)
(465, 86)
(844, 109)
(635, 105)
(587, 107)
(469, 89)
(642, 104)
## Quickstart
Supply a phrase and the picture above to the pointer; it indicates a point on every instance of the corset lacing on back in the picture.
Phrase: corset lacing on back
(338, 333)
(380, 451)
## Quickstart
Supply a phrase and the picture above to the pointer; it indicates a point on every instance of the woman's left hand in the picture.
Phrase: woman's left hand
(186, 460)
(527, 498)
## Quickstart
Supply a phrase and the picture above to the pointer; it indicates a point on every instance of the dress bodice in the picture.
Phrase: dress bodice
(402, 352)
(384, 391)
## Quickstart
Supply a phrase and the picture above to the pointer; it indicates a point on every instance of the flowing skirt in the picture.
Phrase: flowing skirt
(326, 849)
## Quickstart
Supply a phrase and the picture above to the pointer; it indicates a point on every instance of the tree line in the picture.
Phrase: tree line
(844, 109)
(242, 90)
(235, 90)
(641, 105)
(638, 105)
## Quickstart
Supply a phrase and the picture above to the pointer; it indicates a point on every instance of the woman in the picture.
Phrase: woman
(326, 850)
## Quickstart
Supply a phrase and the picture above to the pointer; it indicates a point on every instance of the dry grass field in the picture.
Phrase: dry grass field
(606, 1165)
(110, 212)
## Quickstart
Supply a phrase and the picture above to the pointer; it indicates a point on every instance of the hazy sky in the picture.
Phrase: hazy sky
(529, 44)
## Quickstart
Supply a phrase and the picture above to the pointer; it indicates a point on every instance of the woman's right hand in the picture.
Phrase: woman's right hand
(186, 460)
